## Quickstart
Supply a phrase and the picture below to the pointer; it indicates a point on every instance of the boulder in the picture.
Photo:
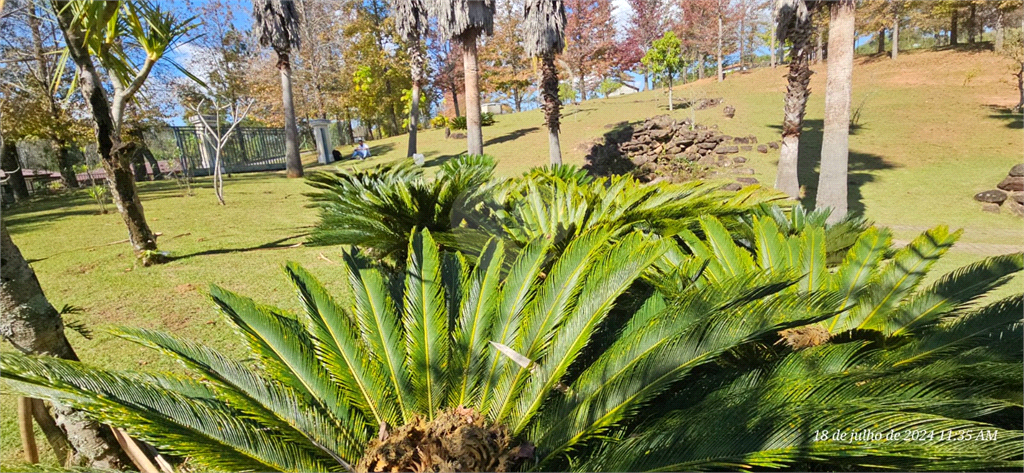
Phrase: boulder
(773, 145)
(659, 122)
(747, 181)
(727, 149)
(457, 136)
(732, 186)
(991, 196)
(662, 134)
(1014, 208)
(1017, 170)
(706, 161)
(994, 208)
(1012, 183)
(674, 150)
(752, 139)
(762, 148)
(641, 159)
(707, 145)
(729, 111)
(739, 160)
(739, 140)
(1018, 197)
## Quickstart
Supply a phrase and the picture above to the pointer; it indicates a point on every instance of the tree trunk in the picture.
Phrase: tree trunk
(819, 50)
(742, 17)
(119, 174)
(416, 66)
(33, 326)
(153, 164)
(700, 67)
(771, 48)
(474, 133)
(797, 92)
(552, 106)
(835, 147)
(293, 163)
(138, 161)
(953, 27)
(721, 75)
(881, 40)
(12, 167)
(670, 91)
(455, 99)
(896, 37)
(972, 24)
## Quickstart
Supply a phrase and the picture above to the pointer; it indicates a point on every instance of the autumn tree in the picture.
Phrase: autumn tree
(697, 33)
(507, 69)
(589, 41)
(646, 24)
(665, 58)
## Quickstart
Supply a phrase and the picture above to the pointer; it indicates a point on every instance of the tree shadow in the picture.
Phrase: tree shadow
(604, 156)
(272, 245)
(1014, 120)
(861, 166)
(439, 160)
(511, 136)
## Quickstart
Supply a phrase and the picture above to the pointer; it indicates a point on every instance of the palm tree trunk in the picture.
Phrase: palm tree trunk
(771, 47)
(416, 64)
(293, 163)
(895, 37)
(12, 167)
(721, 75)
(552, 106)
(797, 92)
(835, 147)
(474, 133)
(33, 326)
(819, 50)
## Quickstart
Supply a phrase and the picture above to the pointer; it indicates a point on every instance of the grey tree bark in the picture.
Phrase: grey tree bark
(474, 132)
(896, 36)
(11, 165)
(881, 40)
(416, 61)
(293, 163)
(1000, 31)
(33, 326)
(835, 147)
(819, 50)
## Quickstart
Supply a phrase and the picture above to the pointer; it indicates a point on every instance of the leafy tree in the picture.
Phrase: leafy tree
(648, 19)
(589, 41)
(545, 38)
(508, 71)
(465, 21)
(608, 85)
(835, 146)
(665, 58)
(96, 30)
(276, 24)
(566, 93)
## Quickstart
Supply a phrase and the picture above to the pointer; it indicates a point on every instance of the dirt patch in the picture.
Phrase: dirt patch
(185, 288)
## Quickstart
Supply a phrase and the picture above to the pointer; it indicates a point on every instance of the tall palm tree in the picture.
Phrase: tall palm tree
(276, 22)
(465, 21)
(794, 23)
(545, 37)
(411, 22)
(835, 143)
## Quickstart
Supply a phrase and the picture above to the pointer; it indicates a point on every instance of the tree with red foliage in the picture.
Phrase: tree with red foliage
(646, 24)
(697, 32)
(589, 40)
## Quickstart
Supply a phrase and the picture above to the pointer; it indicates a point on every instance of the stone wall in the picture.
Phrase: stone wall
(1008, 195)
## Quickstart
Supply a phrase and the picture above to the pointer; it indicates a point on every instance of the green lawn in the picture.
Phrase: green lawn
(930, 134)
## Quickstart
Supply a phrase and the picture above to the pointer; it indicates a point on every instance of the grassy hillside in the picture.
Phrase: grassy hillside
(931, 132)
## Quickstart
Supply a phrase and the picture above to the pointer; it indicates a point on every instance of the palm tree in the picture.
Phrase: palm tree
(835, 144)
(465, 21)
(276, 22)
(545, 37)
(565, 360)
(794, 19)
(411, 22)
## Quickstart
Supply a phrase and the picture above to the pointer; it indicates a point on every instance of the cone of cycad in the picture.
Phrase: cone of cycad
(457, 439)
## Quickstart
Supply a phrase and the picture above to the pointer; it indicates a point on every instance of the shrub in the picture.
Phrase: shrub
(439, 121)
(457, 123)
(486, 119)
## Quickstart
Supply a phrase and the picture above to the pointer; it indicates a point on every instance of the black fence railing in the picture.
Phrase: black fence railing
(247, 149)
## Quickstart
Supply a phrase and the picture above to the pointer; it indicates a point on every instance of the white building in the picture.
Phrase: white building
(491, 107)
(626, 89)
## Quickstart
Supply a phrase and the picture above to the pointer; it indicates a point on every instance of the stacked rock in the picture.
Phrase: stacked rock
(1009, 194)
(662, 148)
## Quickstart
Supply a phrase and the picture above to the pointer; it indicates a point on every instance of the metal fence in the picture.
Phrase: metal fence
(247, 149)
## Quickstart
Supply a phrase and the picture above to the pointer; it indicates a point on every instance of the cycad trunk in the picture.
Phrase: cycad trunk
(33, 326)
(552, 106)
(12, 167)
(293, 163)
(835, 146)
(798, 89)
(474, 133)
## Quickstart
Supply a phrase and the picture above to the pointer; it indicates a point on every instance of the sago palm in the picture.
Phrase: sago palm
(458, 365)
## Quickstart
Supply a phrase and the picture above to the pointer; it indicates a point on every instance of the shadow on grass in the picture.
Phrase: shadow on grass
(862, 166)
(1014, 120)
(439, 160)
(272, 245)
(510, 136)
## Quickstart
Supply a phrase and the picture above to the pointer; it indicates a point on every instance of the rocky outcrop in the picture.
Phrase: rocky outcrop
(1009, 194)
(661, 148)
